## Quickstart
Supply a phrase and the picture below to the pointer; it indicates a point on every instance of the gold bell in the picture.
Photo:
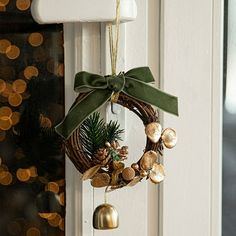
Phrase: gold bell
(105, 217)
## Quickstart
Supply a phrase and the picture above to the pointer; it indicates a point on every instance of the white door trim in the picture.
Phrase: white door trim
(192, 42)
(73, 190)
(217, 117)
(82, 52)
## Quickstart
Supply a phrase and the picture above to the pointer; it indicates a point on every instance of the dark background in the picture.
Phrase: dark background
(32, 207)
(229, 156)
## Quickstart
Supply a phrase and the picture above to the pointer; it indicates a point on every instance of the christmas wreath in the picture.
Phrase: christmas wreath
(92, 145)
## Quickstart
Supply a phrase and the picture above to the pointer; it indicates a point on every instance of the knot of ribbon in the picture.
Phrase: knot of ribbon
(99, 89)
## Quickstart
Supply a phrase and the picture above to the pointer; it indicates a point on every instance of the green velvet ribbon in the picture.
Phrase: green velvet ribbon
(99, 90)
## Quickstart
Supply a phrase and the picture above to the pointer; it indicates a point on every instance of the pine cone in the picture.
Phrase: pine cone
(123, 152)
(115, 145)
(101, 154)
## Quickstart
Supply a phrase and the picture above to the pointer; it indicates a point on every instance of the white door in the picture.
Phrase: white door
(188, 203)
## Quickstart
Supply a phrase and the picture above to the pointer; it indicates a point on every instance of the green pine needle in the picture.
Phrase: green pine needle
(94, 133)
(113, 131)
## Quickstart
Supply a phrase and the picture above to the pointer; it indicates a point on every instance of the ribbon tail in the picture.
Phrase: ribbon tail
(151, 95)
(143, 74)
(81, 110)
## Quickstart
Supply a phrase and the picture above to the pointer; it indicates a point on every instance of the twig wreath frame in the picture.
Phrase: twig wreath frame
(84, 163)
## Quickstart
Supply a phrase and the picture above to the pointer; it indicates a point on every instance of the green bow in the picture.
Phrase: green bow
(99, 90)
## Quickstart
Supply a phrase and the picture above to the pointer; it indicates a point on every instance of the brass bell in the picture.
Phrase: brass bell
(105, 217)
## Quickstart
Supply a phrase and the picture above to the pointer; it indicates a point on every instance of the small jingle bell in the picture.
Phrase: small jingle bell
(105, 217)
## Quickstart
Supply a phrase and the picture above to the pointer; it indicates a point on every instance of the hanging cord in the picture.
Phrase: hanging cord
(114, 41)
(114, 45)
(105, 195)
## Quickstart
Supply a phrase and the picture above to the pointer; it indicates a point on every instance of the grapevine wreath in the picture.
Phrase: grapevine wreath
(92, 145)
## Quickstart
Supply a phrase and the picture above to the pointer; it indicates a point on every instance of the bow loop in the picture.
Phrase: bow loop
(86, 82)
(100, 89)
(116, 83)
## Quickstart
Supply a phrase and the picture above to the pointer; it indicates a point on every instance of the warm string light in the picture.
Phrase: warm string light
(33, 232)
(24, 58)
(53, 187)
(31, 71)
(23, 5)
(13, 93)
(35, 39)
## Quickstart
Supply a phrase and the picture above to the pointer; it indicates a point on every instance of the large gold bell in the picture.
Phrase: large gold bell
(105, 217)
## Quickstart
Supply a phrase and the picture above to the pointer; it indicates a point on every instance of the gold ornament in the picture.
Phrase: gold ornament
(101, 154)
(169, 137)
(115, 176)
(128, 174)
(148, 159)
(153, 131)
(157, 174)
(88, 174)
(117, 165)
(135, 166)
(135, 181)
(123, 153)
(143, 173)
(100, 180)
(105, 217)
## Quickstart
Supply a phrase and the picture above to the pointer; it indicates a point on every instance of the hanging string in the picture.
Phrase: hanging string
(114, 45)
(105, 194)
(114, 40)
(108, 190)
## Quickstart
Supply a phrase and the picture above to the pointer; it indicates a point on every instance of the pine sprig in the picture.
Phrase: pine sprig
(94, 133)
(113, 131)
